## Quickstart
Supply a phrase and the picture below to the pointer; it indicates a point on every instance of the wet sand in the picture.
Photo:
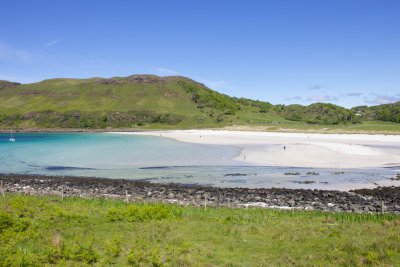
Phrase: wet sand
(298, 149)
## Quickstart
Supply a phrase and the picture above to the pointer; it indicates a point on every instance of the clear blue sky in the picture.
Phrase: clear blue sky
(343, 51)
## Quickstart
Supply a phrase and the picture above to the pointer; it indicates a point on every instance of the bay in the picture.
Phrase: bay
(158, 159)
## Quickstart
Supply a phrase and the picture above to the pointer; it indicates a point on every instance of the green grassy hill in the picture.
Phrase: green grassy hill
(93, 95)
(149, 101)
(133, 101)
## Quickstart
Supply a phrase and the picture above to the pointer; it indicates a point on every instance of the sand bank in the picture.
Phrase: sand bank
(298, 149)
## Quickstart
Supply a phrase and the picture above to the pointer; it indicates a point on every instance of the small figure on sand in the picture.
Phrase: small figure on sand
(284, 147)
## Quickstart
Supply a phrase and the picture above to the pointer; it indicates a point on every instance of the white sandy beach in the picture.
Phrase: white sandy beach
(298, 149)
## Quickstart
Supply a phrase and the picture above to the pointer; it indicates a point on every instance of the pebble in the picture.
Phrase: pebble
(362, 200)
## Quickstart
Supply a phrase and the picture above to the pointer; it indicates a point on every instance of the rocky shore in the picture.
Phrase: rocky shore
(380, 199)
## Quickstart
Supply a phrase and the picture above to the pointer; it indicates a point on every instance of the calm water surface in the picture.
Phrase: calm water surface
(162, 160)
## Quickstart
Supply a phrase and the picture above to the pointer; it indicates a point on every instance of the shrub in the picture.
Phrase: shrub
(5, 221)
(92, 120)
(142, 255)
(79, 252)
(320, 113)
(113, 248)
(207, 98)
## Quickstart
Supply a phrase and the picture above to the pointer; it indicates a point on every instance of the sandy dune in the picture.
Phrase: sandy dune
(299, 149)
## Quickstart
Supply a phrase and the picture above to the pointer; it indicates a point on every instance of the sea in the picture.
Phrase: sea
(163, 160)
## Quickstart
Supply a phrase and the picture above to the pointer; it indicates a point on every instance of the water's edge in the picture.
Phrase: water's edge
(384, 199)
(160, 160)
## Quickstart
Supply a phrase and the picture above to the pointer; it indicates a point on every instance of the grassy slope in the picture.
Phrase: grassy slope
(368, 127)
(167, 95)
(38, 231)
(89, 95)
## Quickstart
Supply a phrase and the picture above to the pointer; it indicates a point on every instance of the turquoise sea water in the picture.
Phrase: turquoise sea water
(159, 159)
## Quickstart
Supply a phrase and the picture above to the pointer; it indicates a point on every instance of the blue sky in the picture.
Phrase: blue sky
(342, 51)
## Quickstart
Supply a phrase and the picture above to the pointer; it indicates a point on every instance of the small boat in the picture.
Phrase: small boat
(11, 139)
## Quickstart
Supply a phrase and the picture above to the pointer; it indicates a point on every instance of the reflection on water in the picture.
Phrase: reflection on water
(162, 160)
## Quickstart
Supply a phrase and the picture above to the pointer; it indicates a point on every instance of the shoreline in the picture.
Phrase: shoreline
(255, 129)
(362, 200)
(68, 130)
(297, 149)
(259, 148)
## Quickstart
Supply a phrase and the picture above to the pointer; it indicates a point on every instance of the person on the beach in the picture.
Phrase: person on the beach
(284, 147)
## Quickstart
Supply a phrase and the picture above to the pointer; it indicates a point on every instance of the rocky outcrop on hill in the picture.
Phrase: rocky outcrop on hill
(7, 84)
(109, 81)
(147, 79)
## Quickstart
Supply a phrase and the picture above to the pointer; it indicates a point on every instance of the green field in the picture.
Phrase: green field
(368, 127)
(46, 231)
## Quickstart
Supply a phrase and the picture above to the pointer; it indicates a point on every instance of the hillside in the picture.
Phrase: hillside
(116, 102)
(133, 101)
(385, 112)
(148, 101)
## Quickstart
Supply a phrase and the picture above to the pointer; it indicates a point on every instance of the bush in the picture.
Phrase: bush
(91, 120)
(320, 113)
(79, 252)
(5, 221)
(141, 255)
(207, 98)
(386, 112)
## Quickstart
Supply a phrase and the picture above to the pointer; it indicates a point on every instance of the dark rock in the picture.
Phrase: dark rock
(363, 200)
(396, 177)
(140, 78)
(109, 81)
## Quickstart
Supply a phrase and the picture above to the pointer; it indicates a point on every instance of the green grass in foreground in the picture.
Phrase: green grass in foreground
(40, 231)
